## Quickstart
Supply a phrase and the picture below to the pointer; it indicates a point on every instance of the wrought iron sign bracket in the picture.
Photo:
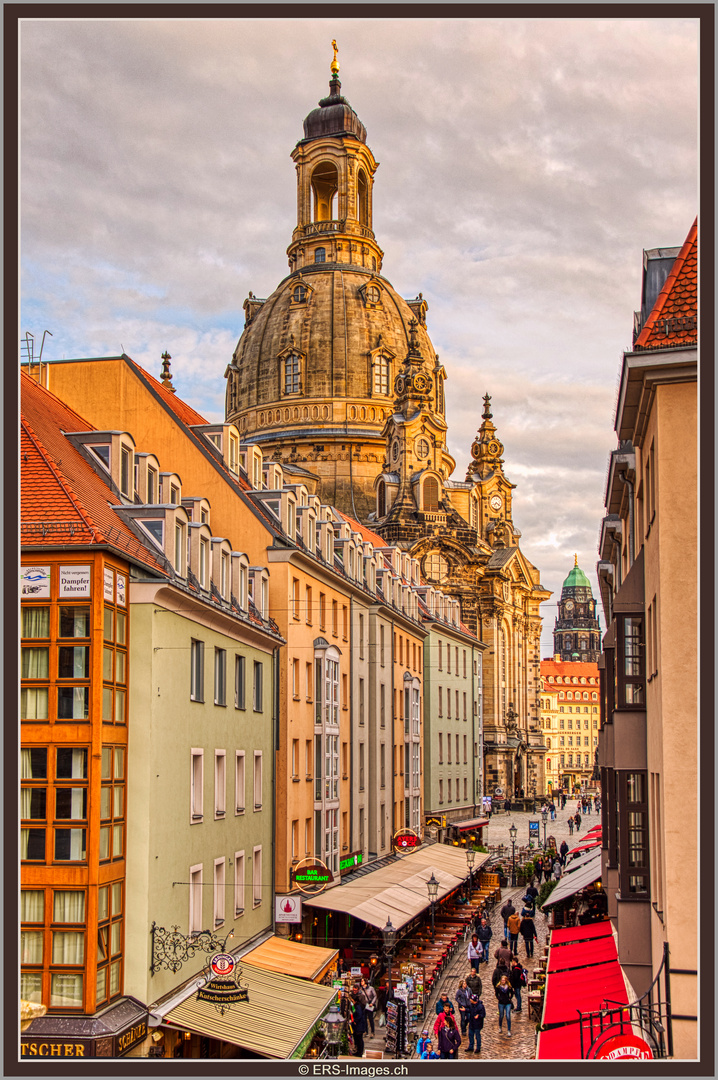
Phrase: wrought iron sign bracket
(171, 949)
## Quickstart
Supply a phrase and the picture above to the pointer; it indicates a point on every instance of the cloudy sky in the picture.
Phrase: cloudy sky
(524, 166)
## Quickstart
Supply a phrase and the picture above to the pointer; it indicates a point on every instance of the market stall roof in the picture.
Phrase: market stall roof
(568, 935)
(398, 891)
(579, 860)
(472, 823)
(588, 842)
(279, 1013)
(601, 950)
(585, 989)
(574, 882)
(282, 955)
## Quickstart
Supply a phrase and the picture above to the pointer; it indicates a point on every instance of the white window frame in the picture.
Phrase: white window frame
(220, 676)
(239, 782)
(196, 806)
(195, 899)
(239, 884)
(196, 670)
(256, 876)
(257, 780)
(258, 686)
(220, 783)
(219, 883)
(240, 681)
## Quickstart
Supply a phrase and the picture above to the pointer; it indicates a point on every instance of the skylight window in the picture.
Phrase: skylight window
(156, 529)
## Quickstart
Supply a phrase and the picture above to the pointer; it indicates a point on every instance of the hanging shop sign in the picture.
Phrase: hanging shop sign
(533, 830)
(406, 840)
(312, 876)
(223, 989)
(350, 862)
(287, 909)
(625, 1045)
(108, 585)
(35, 582)
(440, 822)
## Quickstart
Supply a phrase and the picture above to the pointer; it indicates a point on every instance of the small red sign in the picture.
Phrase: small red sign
(405, 841)
(626, 1045)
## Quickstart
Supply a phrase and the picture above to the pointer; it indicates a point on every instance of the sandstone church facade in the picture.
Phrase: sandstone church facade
(335, 377)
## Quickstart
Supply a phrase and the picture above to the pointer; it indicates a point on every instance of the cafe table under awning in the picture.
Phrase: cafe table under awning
(280, 1011)
(398, 891)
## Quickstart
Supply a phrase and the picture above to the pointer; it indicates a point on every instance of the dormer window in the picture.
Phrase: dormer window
(126, 470)
(156, 528)
(202, 567)
(180, 549)
(233, 454)
(320, 255)
(103, 453)
(151, 485)
(292, 374)
(373, 295)
(381, 375)
(243, 593)
(291, 519)
(300, 294)
(174, 494)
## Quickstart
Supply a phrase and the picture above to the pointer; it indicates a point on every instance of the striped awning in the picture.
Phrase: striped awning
(280, 1011)
(282, 955)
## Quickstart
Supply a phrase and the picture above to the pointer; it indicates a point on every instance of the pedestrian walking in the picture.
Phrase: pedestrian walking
(475, 951)
(570, 826)
(501, 969)
(358, 1023)
(506, 910)
(462, 1003)
(484, 933)
(538, 868)
(517, 978)
(587, 807)
(449, 1038)
(577, 819)
(371, 1004)
(505, 995)
(531, 894)
(513, 924)
(563, 850)
(444, 1004)
(503, 953)
(429, 1053)
(477, 1015)
(422, 1041)
(528, 933)
(556, 870)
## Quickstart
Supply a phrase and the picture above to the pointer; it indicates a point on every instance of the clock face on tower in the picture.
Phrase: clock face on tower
(569, 606)
(495, 502)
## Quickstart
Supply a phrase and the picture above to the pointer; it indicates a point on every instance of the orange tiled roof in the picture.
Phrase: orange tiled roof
(62, 499)
(674, 318)
(366, 534)
(569, 668)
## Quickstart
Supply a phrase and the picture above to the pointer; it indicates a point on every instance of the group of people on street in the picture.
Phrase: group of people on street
(360, 1006)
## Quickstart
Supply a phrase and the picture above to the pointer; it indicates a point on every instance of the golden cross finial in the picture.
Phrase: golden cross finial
(334, 64)
(575, 560)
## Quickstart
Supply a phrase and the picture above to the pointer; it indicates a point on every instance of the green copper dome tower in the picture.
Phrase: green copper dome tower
(577, 631)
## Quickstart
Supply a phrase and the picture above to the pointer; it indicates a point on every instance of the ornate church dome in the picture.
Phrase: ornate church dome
(312, 377)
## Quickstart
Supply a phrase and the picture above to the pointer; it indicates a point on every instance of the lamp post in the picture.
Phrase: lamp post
(512, 833)
(389, 935)
(333, 1022)
(373, 961)
(470, 859)
(432, 886)
(544, 816)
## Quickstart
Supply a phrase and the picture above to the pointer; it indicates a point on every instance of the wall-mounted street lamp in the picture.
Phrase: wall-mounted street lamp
(512, 833)
(470, 860)
(432, 887)
(389, 933)
(544, 818)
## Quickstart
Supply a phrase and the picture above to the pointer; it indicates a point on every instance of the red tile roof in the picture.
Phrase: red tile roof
(674, 318)
(569, 668)
(366, 534)
(62, 499)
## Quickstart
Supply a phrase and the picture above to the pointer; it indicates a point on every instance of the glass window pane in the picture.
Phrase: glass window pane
(73, 702)
(107, 657)
(35, 622)
(71, 764)
(33, 703)
(119, 706)
(116, 897)
(69, 906)
(33, 763)
(635, 787)
(74, 622)
(70, 845)
(103, 902)
(105, 811)
(116, 937)
(118, 809)
(66, 990)
(109, 625)
(105, 842)
(68, 947)
(106, 767)
(121, 620)
(73, 662)
(117, 836)
(35, 663)
(107, 704)
(32, 905)
(114, 978)
(119, 762)
(31, 946)
(33, 804)
(31, 986)
(101, 984)
(71, 803)
(120, 666)
(32, 844)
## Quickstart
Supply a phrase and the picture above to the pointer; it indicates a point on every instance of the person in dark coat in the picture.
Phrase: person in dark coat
(577, 819)
(528, 933)
(484, 933)
(517, 980)
(503, 953)
(531, 894)
(444, 1004)
(505, 995)
(462, 1003)
(571, 824)
(477, 1014)
(538, 869)
(501, 969)
(507, 910)
(358, 1024)
(563, 850)
(474, 983)
(449, 1038)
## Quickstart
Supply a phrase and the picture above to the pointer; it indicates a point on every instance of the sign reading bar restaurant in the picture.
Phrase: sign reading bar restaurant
(350, 862)
(312, 876)
(406, 840)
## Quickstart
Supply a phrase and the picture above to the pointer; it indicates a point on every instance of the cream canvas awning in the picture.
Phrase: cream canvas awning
(398, 891)
(572, 883)
(279, 1013)
(291, 957)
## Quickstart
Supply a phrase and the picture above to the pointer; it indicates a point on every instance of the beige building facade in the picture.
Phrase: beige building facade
(570, 722)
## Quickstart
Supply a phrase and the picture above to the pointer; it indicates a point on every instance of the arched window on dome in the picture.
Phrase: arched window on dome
(292, 381)
(362, 198)
(325, 183)
(431, 495)
(320, 255)
(381, 375)
(381, 499)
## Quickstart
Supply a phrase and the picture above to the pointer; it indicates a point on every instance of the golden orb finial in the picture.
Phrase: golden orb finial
(575, 560)
(335, 64)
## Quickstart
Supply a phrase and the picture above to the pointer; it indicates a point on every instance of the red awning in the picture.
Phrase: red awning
(563, 1043)
(568, 935)
(598, 951)
(587, 989)
(585, 846)
(474, 823)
